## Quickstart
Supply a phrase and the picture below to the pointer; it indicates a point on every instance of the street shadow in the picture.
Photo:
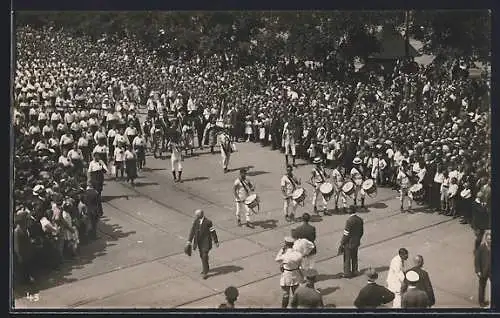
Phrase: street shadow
(377, 205)
(328, 290)
(146, 169)
(256, 173)
(267, 224)
(340, 211)
(143, 184)
(330, 306)
(379, 269)
(421, 209)
(107, 198)
(302, 164)
(314, 218)
(49, 275)
(323, 277)
(226, 269)
(195, 179)
(238, 169)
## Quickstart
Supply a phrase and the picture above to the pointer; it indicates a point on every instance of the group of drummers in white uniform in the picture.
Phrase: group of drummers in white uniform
(332, 185)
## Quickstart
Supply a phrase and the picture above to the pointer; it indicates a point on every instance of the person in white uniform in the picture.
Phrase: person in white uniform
(242, 188)
(290, 261)
(289, 184)
(396, 276)
(288, 138)
(176, 158)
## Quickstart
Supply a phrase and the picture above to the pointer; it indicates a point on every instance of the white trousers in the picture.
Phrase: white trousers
(290, 146)
(225, 159)
(396, 303)
(405, 193)
(287, 204)
(308, 262)
(315, 196)
(359, 192)
(239, 207)
(176, 165)
(340, 194)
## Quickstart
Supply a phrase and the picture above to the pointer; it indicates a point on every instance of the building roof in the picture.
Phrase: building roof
(392, 45)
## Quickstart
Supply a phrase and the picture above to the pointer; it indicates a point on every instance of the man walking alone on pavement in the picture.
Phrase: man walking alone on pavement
(202, 233)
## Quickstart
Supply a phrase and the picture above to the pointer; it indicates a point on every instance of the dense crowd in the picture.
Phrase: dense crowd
(76, 102)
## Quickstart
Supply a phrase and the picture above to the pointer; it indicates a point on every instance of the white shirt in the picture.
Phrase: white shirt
(240, 189)
(395, 275)
(176, 151)
(97, 166)
(289, 184)
(403, 179)
(119, 154)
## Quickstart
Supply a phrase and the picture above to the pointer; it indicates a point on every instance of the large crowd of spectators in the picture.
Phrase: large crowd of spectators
(73, 95)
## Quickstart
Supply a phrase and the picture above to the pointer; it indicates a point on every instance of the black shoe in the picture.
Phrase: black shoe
(292, 218)
(346, 275)
(239, 222)
(287, 218)
(205, 276)
(249, 225)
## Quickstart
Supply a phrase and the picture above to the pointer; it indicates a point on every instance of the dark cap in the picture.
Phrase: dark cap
(231, 292)
(310, 273)
(372, 274)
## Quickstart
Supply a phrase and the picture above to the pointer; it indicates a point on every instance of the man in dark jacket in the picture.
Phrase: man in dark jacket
(482, 264)
(424, 282)
(23, 249)
(92, 201)
(202, 233)
(306, 231)
(306, 296)
(350, 242)
(373, 295)
(414, 297)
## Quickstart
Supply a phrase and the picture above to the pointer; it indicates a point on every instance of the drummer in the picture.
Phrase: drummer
(318, 177)
(242, 188)
(404, 182)
(357, 174)
(289, 184)
(338, 181)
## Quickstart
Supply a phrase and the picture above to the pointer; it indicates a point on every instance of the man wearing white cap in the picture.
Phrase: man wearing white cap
(290, 261)
(414, 297)
(318, 177)
(357, 176)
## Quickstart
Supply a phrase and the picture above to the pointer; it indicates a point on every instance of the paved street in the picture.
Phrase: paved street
(138, 260)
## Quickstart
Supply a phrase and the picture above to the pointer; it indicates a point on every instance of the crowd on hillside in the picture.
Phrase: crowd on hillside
(74, 97)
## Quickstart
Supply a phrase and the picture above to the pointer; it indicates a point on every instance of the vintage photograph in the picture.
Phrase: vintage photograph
(251, 159)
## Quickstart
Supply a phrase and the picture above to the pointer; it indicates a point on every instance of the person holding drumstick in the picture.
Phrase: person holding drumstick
(288, 184)
(357, 174)
(318, 177)
(405, 184)
(338, 182)
(242, 188)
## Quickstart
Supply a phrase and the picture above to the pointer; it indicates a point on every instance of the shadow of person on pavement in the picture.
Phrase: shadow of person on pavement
(328, 290)
(323, 277)
(143, 184)
(377, 205)
(256, 173)
(226, 269)
(107, 198)
(146, 169)
(49, 275)
(195, 179)
(266, 224)
(238, 169)
(377, 269)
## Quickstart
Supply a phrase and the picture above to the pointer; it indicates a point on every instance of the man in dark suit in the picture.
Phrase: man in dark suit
(349, 245)
(373, 295)
(414, 297)
(482, 264)
(306, 231)
(424, 282)
(92, 200)
(306, 296)
(202, 233)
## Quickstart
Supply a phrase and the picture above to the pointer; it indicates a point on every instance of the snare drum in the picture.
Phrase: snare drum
(326, 190)
(252, 201)
(369, 187)
(348, 188)
(299, 195)
(465, 194)
(417, 191)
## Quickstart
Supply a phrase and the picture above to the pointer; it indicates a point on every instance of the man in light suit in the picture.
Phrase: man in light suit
(202, 233)
(396, 276)
(482, 264)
